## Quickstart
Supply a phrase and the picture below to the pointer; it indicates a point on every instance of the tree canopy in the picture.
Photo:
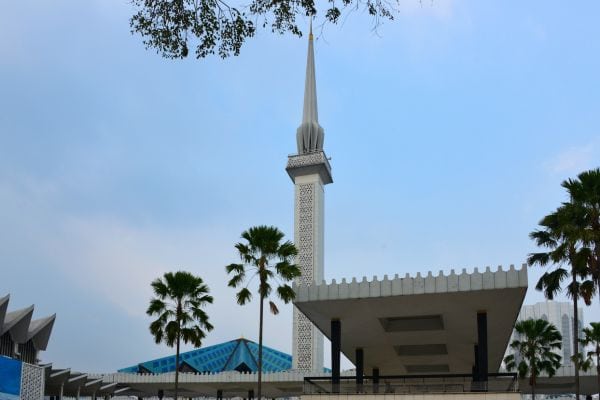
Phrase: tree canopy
(179, 303)
(534, 350)
(571, 237)
(206, 27)
(264, 255)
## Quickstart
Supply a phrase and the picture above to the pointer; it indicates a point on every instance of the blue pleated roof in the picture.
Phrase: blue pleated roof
(236, 355)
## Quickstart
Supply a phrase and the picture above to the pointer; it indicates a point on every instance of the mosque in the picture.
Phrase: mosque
(431, 335)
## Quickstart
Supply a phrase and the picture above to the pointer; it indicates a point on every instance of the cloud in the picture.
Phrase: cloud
(111, 261)
(575, 159)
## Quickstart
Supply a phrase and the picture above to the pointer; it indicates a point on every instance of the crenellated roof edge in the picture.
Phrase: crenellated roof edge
(407, 285)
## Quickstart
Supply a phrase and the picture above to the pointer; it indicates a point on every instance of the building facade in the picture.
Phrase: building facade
(560, 314)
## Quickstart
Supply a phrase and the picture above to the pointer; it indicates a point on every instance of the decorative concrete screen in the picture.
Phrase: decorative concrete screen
(20, 380)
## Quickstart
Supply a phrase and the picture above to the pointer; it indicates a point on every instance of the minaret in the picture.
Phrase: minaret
(310, 171)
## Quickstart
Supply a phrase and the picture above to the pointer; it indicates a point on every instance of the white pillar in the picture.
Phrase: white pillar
(308, 238)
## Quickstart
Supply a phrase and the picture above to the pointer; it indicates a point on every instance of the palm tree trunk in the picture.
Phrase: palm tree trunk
(532, 380)
(598, 367)
(260, 341)
(177, 364)
(575, 334)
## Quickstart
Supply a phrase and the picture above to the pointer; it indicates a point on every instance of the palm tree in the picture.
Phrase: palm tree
(180, 298)
(584, 193)
(535, 344)
(591, 336)
(264, 255)
(561, 236)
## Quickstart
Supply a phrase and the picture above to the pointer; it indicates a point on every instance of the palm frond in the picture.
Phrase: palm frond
(180, 298)
(286, 293)
(550, 282)
(243, 296)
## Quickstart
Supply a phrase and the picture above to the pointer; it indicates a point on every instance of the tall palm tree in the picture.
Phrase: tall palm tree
(263, 255)
(561, 236)
(591, 337)
(584, 193)
(179, 301)
(537, 339)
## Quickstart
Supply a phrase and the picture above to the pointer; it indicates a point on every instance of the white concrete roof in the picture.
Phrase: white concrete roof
(40, 331)
(422, 324)
(17, 323)
(72, 382)
(22, 328)
(3, 308)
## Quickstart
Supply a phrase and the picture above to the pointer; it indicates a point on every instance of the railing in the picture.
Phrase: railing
(412, 384)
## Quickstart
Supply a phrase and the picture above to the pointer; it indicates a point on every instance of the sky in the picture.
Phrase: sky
(449, 129)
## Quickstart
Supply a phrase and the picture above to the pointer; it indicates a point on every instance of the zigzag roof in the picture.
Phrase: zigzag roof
(3, 308)
(21, 328)
(40, 330)
(236, 355)
(17, 323)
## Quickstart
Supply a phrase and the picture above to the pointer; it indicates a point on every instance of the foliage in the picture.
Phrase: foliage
(591, 337)
(172, 27)
(263, 256)
(178, 304)
(584, 203)
(560, 234)
(537, 339)
(571, 236)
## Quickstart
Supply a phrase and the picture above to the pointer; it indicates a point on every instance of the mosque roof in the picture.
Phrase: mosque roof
(22, 328)
(235, 355)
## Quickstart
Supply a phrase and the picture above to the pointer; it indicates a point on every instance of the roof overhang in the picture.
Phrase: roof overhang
(40, 331)
(17, 323)
(3, 308)
(421, 324)
(315, 162)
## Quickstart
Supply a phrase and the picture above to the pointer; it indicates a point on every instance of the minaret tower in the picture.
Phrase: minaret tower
(310, 171)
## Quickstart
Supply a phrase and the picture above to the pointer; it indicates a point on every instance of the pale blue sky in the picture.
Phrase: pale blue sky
(449, 133)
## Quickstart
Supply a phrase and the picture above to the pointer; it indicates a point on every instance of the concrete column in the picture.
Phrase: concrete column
(360, 369)
(61, 391)
(78, 392)
(336, 347)
(476, 364)
(375, 380)
(482, 346)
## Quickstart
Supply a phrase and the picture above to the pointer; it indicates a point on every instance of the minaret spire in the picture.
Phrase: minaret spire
(310, 135)
(310, 171)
